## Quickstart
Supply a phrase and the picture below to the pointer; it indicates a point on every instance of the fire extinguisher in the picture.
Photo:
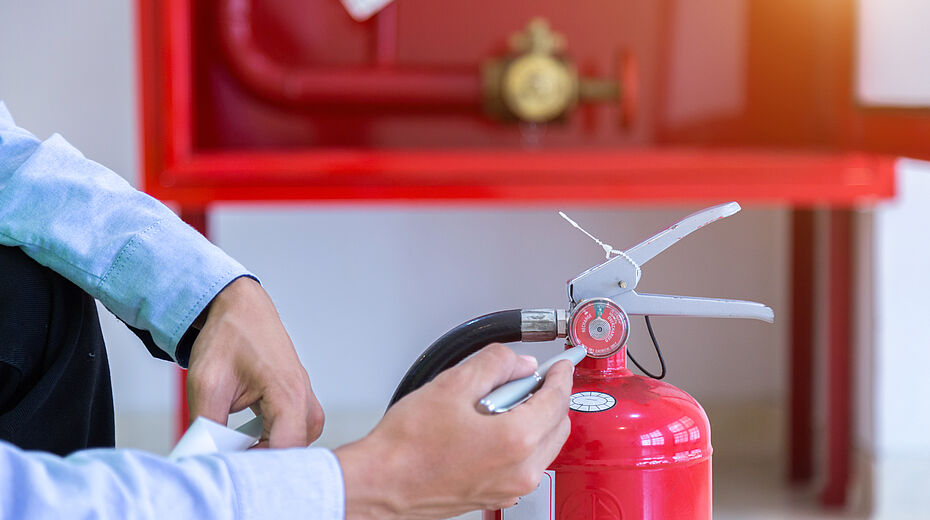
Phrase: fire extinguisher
(639, 448)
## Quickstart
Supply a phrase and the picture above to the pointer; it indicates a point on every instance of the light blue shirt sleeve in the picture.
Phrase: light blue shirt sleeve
(118, 244)
(301, 483)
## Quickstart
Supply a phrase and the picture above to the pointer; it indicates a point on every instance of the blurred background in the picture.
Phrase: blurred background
(366, 276)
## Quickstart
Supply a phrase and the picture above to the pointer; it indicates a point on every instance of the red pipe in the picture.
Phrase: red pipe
(839, 384)
(338, 85)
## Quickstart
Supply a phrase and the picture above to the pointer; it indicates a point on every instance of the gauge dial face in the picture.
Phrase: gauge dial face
(600, 326)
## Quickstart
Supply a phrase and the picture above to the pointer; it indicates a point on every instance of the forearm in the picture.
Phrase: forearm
(371, 494)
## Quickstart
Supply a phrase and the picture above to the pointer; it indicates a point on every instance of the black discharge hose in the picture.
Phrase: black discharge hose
(458, 344)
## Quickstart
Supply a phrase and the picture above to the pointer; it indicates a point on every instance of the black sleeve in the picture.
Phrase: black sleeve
(10, 378)
(183, 351)
(184, 346)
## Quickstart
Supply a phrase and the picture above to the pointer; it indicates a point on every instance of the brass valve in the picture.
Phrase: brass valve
(537, 83)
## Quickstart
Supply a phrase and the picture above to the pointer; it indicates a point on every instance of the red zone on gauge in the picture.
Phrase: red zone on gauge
(600, 326)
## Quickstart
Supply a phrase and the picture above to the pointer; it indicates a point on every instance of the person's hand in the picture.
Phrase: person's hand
(244, 357)
(433, 455)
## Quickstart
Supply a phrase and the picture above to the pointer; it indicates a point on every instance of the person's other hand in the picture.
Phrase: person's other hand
(433, 455)
(244, 357)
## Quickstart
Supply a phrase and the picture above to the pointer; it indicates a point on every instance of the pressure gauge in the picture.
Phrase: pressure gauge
(599, 325)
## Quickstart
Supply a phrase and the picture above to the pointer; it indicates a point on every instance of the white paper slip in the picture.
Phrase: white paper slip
(361, 10)
(205, 436)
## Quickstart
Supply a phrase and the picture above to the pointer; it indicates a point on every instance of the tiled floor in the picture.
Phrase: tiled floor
(756, 490)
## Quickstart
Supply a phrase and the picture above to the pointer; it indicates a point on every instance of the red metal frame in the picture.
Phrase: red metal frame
(801, 374)
(839, 366)
(639, 176)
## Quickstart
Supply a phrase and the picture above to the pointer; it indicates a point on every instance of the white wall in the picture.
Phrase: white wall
(894, 59)
(364, 289)
(900, 387)
(893, 53)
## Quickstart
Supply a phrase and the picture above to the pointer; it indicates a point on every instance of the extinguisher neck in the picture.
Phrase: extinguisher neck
(612, 366)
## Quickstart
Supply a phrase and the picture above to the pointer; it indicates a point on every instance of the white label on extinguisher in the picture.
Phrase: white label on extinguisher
(591, 402)
(362, 10)
(538, 505)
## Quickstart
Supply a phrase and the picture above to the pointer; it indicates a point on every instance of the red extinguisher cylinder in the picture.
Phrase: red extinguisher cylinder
(639, 448)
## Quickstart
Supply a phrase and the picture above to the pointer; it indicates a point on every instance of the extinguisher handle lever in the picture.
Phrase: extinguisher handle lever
(621, 274)
(649, 248)
(668, 305)
(618, 277)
